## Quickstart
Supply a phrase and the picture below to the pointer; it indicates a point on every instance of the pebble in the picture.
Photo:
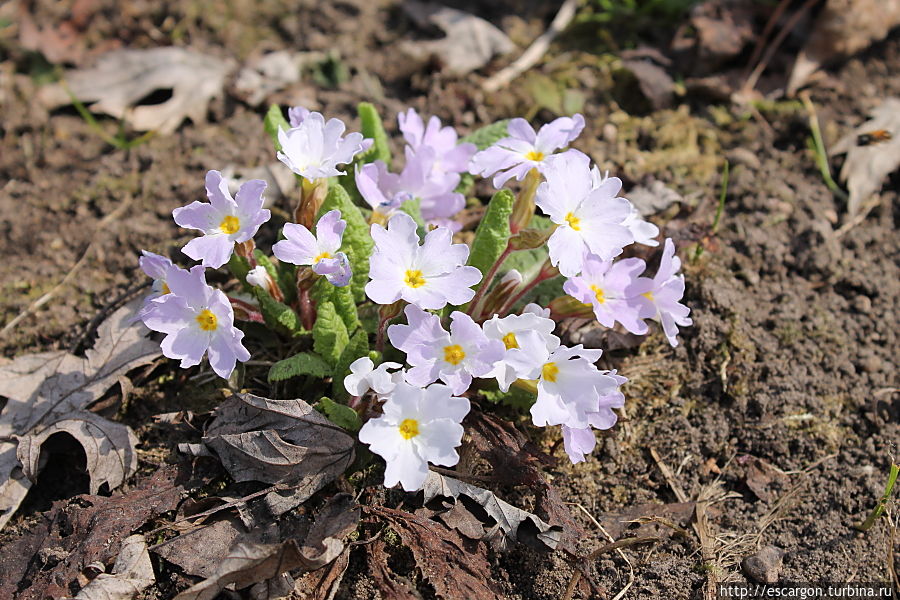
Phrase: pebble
(743, 156)
(862, 304)
(765, 565)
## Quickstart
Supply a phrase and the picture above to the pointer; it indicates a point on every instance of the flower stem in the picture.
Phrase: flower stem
(523, 209)
(246, 309)
(486, 282)
(307, 309)
(543, 275)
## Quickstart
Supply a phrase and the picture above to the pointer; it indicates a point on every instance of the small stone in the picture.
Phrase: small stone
(743, 156)
(765, 565)
(862, 304)
(872, 364)
(610, 133)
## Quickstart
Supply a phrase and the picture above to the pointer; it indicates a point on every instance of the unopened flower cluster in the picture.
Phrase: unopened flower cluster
(438, 313)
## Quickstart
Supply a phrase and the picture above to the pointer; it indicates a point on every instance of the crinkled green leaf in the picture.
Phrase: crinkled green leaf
(373, 128)
(487, 135)
(341, 298)
(492, 233)
(273, 122)
(414, 209)
(357, 348)
(357, 242)
(266, 263)
(278, 316)
(239, 267)
(305, 363)
(340, 414)
(515, 397)
(330, 335)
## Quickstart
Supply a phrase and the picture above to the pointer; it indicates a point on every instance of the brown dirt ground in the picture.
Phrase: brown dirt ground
(792, 358)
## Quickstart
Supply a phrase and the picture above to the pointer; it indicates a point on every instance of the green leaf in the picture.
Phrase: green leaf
(277, 316)
(305, 363)
(357, 242)
(487, 135)
(273, 122)
(373, 128)
(357, 348)
(239, 267)
(340, 414)
(515, 397)
(493, 233)
(341, 298)
(330, 335)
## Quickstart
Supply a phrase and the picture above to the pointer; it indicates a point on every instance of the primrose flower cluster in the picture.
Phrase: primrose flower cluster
(441, 314)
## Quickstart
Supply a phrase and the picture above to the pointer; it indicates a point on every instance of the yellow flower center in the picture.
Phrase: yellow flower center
(535, 156)
(510, 341)
(409, 428)
(598, 294)
(454, 354)
(165, 288)
(207, 320)
(573, 221)
(414, 278)
(321, 256)
(549, 372)
(230, 224)
(648, 296)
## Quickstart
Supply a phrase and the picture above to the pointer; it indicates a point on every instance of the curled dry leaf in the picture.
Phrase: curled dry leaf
(132, 573)
(48, 392)
(270, 73)
(247, 563)
(454, 566)
(121, 78)
(867, 166)
(47, 559)
(843, 28)
(279, 441)
(470, 41)
(516, 524)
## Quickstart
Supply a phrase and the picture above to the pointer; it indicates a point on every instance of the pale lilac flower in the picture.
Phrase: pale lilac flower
(524, 150)
(419, 426)
(610, 288)
(386, 191)
(569, 385)
(509, 329)
(429, 276)
(580, 441)
(662, 301)
(434, 354)
(644, 232)
(315, 148)
(590, 220)
(224, 221)
(156, 267)
(296, 115)
(365, 376)
(320, 251)
(451, 157)
(197, 320)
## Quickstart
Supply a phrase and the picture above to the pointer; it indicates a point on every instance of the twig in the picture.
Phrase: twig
(761, 40)
(535, 51)
(71, 274)
(751, 81)
(870, 204)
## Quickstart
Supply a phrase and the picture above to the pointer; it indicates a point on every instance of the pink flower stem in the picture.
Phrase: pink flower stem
(486, 282)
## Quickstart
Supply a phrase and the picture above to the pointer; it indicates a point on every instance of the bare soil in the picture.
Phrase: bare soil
(783, 394)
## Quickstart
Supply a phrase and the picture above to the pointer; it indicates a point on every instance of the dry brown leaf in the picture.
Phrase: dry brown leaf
(132, 573)
(279, 441)
(470, 41)
(48, 392)
(866, 167)
(270, 73)
(454, 566)
(516, 524)
(45, 560)
(121, 78)
(247, 564)
(843, 28)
